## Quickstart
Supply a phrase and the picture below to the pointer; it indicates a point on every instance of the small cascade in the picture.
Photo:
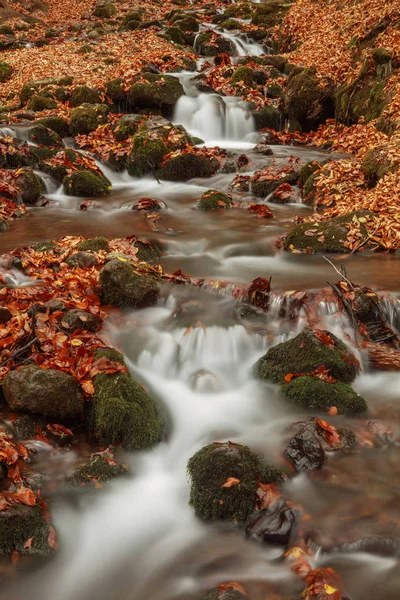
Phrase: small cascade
(213, 117)
(391, 309)
(243, 45)
(7, 132)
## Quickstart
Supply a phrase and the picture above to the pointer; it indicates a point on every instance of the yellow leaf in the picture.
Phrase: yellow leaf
(329, 589)
(76, 342)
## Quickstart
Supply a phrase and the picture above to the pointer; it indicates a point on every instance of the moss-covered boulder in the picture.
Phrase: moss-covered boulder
(241, 10)
(39, 134)
(269, 13)
(6, 72)
(377, 163)
(104, 9)
(328, 236)
(147, 253)
(175, 35)
(243, 75)
(304, 354)
(268, 117)
(122, 412)
(120, 285)
(187, 23)
(86, 183)
(84, 120)
(212, 469)
(101, 468)
(57, 124)
(307, 170)
(146, 155)
(84, 95)
(314, 393)
(206, 46)
(127, 126)
(31, 88)
(29, 185)
(307, 102)
(151, 91)
(94, 244)
(186, 166)
(38, 103)
(214, 200)
(75, 319)
(6, 30)
(21, 523)
(82, 260)
(262, 187)
(115, 91)
(45, 392)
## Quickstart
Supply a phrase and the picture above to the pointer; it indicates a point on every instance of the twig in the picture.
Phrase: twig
(348, 309)
(19, 351)
(339, 272)
(365, 241)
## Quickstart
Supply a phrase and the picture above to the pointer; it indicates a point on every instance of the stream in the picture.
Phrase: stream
(139, 539)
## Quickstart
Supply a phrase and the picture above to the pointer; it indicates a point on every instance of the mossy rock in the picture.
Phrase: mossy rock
(75, 319)
(104, 10)
(186, 166)
(44, 246)
(156, 92)
(34, 87)
(29, 185)
(313, 393)
(85, 49)
(262, 188)
(279, 62)
(6, 30)
(86, 119)
(120, 285)
(134, 15)
(243, 75)
(187, 23)
(127, 126)
(115, 91)
(84, 95)
(57, 124)
(146, 155)
(83, 260)
(132, 25)
(378, 163)
(219, 45)
(175, 35)
(274, 91)
(307, 170)
(6, 72)
(214, 200)
(147, 253)
(62, 94)
(86, 183)
(364, 98)
(381, 56)
(241, 10)
(231, 25)
(268, 117)
(67, 80)
(122, 412)
(97, 469)
(306, 101)
(38, 103)
(44, 136)
(212, 466)
(20, 523)
(227, 593)
(268, 13)
(304, 354)
(94, 244)
(328, 236)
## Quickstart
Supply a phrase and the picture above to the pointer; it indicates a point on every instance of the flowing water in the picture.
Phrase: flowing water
(139, 539)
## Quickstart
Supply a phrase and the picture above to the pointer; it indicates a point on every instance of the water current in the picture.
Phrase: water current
(139, 539)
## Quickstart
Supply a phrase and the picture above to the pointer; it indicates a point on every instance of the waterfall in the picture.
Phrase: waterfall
(7, 132)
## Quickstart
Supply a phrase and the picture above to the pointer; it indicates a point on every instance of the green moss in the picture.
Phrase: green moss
(365, 97)
(85, 49)
(146, 155)
(227, 594)
(97, 469)
(41, 43)
(127, 126)
(274, 91)
(38, 103)
(104, 10)
(6, 30)
(306, 101)
(376, 164)
(212, 199)
(314, 393)
(268, 13)
(84, 95)
(123, 412)
(57, 124)
(306, 171)
(329, 236)
(231, 25)
(132, 25)
(209, 469)
(44, 136)
(17, 525)
(305, 353)
(120, 285)
(62, 94)
(94, 244)
(381, 56)
(86, 183)
(175, 35)
(29, 185)
(147, 253)
(50, 33)
(134, 15)
(187, 23)
(239, 9)
(185, 167)
(83, 120)
(67, 80)
(243, 74)
(268, 117)
(115, 91)
(6, 72)
(262, 188)
(387, 125)
(45, 246)
(160, 91)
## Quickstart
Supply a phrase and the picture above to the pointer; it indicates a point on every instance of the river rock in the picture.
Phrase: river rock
(17, 525)
(86, 118)
(227, 593)
(43, 391)
(155, 92)
(314, 393)
(84, 95)
(304, 449)
(276, 524)
(100, 467)
(187, 166)
(217, 464)
(29, 185)
(75, 319)
(122, 412)
(304, 354)
(214, 200)
(307, 102)
(44, 136)
(120, 285)
(83, 260)
(94, 244)
(86, 184)
(57, 124)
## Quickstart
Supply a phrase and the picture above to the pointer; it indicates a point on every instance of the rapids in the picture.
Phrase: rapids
(139, 539)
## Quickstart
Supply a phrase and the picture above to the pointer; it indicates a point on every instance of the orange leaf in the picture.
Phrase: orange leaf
(52, 539)
(230, 482)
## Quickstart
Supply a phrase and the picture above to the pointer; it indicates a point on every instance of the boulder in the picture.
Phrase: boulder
(94, 244)
(38, 103)
(57, 124)
(87, 118)
(82, 260)
(104, 9)
(86, 184)
(120, 285)
(305, 353)
(127, 126)
(6, 72)
(316, 394)
(146, 155)
(100, 468)
(45, 392)
(20, 523)
(122, 412)
(244, 75)
(39, 134)
(152, 91)
(224, 480)
(84, 95)
(29, 185)
(268, 117)
(76, 319)
(214, 200)
(307, 102)
(377, 163)
(186, 166)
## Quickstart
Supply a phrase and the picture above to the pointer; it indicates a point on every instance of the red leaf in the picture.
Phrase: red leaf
(52, 539)
(231, 585)
(331, 434)
(59, 429)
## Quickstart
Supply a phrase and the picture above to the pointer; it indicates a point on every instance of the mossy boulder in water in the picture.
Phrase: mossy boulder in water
(121, 286)
(212, 467)
(211, 47)
(19, 524)
(314, 393)
(225, 593)
(186, 166)
(46, 392)
(29, 185)
(304, 354)
(268, 117)
(175, 35)
(147, 253)
(186, 23)
(214, 200)
(38, 103)
(122, 412)
(94, 244)
(328, 236)
(87, 118)
(57, 124)
(261, 187)
(243, 75)
(44, 136)
(84, 95)
(100, 468)
(306, 101)
(127, 126)
(86, 183)
(146, 155)
(153, 91)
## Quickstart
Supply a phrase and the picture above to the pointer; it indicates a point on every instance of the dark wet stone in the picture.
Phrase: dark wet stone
(83, 260)
(5, 315)
(79, 319)
(304, 449)
(276, 524)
